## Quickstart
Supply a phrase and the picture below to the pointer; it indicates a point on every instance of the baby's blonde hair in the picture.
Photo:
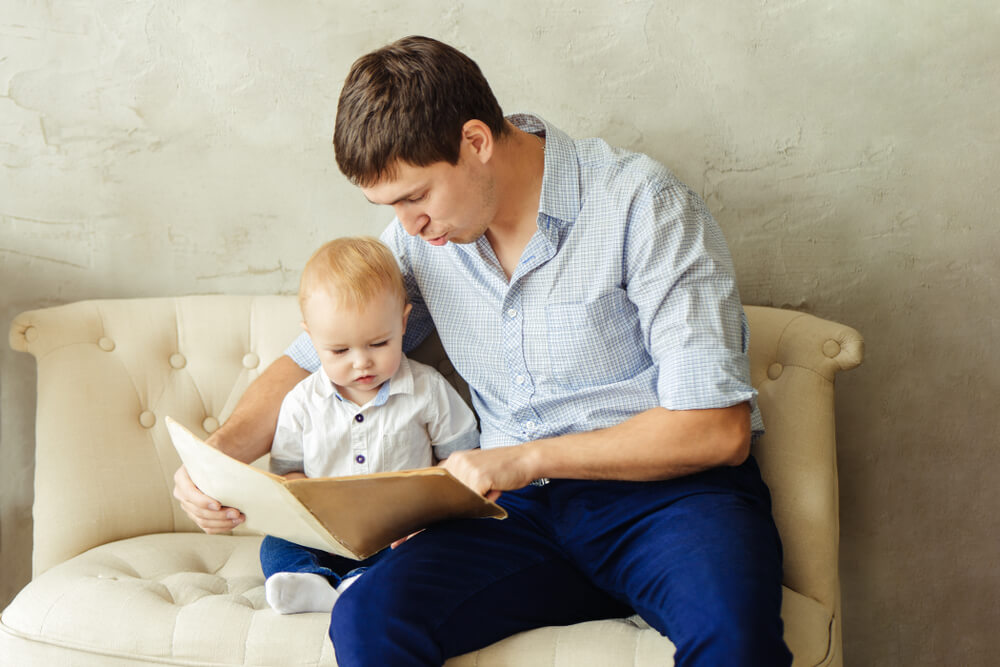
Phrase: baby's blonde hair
(352, 270)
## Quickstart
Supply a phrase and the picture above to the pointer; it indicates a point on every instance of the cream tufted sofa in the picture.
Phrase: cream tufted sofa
(122, 577)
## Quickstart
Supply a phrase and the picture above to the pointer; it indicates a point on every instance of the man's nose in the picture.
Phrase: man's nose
(413, 222)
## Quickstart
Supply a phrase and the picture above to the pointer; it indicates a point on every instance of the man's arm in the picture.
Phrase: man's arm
(246, 436)
(652, 445)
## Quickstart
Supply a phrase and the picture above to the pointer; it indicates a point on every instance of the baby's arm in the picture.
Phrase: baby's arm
(287, 457)
(452, 424)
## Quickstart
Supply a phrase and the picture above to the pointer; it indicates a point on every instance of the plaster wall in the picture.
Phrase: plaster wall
(849, 150)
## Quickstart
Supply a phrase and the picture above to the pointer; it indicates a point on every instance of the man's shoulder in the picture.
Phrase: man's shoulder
(621, 169)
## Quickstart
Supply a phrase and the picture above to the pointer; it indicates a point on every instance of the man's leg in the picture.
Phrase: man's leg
(698, 558)
(463, 585)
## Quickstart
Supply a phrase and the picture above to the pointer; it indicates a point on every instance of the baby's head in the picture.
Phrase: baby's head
(354, 308)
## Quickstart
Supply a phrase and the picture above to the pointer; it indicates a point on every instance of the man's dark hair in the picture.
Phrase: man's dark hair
(408, 101)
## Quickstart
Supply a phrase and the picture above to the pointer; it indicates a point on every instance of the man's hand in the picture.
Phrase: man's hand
(246, 436)
(210, 516)
(488, 472)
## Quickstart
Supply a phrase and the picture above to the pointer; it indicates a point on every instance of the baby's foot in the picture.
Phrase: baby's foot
(346, 583)
(298, 592)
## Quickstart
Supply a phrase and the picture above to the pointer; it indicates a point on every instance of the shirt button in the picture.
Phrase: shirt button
(360, 458)
(359, 418)
(511, 313)
(519, 379)
(530, 425)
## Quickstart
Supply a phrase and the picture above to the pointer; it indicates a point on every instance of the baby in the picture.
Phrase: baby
(367, 409)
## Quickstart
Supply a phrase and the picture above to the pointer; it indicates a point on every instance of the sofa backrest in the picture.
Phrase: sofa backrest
(109, 371)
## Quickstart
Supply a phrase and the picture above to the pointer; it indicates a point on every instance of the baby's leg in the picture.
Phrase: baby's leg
(300, 579)
(299, 592)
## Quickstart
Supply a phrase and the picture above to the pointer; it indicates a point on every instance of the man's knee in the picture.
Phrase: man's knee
(376, 625)
(721, 638)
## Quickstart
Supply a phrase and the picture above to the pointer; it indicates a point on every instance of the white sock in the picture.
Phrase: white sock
(346, 583)
(298, 592)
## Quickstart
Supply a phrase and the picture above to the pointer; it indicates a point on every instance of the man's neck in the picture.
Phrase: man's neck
(519, 172)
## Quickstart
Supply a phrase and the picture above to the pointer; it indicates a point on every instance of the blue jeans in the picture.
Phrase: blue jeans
(278, 555)
(699, 558)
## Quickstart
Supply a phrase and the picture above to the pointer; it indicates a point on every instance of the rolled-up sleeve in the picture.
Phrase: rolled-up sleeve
(451, 425)
(287, 454)
(681, 279)
(303, 353)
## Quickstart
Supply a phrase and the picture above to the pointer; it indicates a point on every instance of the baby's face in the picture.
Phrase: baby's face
(359, 348)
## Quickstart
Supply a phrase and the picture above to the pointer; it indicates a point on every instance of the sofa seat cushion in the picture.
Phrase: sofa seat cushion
(193, 599)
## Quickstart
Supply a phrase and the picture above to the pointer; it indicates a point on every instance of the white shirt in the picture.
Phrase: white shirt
(324, 434)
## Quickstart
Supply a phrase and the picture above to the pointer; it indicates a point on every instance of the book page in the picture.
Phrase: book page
(269, 507)
(369, 512)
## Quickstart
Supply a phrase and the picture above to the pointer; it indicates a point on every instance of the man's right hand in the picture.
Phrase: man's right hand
(210, 516)
(246, 436)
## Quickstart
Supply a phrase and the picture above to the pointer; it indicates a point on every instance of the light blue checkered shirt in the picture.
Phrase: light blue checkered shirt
(624, 300)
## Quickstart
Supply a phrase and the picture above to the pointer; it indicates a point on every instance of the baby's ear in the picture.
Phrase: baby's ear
(406, 314)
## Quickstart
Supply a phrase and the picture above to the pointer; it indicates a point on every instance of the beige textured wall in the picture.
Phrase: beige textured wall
(848, 148)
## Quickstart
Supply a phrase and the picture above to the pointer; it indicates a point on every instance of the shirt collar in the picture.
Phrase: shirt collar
(400, 383)
(559, 204)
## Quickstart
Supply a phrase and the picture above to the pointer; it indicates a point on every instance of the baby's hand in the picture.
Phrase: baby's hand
(403, 539)
(294, 475)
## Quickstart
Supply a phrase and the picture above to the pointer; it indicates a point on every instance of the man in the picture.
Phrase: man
(588, 299)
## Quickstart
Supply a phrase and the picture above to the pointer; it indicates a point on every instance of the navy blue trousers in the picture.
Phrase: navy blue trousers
(278, 555)
(699, 558)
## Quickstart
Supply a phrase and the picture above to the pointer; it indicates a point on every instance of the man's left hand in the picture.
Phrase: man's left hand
(488, 472)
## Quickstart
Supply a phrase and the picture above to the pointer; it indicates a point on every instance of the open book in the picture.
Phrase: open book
(354, 516)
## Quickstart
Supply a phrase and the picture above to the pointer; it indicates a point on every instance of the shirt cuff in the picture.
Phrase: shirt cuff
(303, 353)
(704, 379)
(467, 440)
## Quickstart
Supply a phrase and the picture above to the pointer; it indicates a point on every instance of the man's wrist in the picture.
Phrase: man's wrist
(533, 460)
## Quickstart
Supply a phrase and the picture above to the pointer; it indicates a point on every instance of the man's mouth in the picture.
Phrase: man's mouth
(439, 241)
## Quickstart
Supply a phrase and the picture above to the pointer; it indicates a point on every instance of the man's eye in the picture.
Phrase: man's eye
(414, 200)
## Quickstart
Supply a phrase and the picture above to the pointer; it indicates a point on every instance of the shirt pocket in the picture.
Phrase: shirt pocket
(406, 449)
(593, 343)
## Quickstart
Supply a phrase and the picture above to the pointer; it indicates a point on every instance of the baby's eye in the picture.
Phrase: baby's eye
(380, 343)
(338, 351)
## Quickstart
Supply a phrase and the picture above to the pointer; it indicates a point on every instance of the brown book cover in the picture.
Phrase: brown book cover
(354, 516)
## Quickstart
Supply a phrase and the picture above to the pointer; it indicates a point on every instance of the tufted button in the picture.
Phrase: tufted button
(251, 360)
(147, 419)
(30, 334)
(106, 344)
(445, 367)
(831, 348)
(211, 424)
(774, 371)
(177, 361)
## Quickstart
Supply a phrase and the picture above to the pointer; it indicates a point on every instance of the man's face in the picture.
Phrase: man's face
(439, 202)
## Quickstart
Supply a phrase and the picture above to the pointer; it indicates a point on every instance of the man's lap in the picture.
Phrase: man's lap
(571, 551)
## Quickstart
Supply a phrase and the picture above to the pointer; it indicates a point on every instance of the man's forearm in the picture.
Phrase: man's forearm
(655, 444)
(249, 431)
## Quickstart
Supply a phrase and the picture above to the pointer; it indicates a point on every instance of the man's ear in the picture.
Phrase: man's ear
(478, 139)
(406, 315)
(305, 327)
